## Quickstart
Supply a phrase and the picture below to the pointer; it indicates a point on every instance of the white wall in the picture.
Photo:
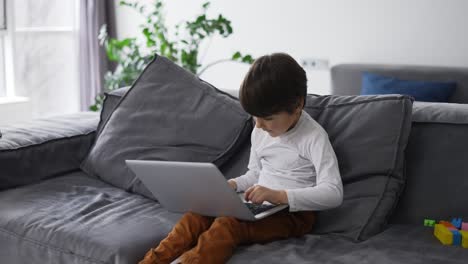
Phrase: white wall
(424, 32)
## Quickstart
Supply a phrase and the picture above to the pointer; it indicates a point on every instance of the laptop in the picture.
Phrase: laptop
(197, 187)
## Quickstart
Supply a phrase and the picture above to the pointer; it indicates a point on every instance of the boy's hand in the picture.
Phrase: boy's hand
(233, 184)
(258, 194)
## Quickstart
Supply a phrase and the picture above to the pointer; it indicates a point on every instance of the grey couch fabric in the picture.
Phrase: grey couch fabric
(234, 167)
(168, 114)
(444, 113)
(408, 244)
(437, 148)
(44, 147)
(111, 100)
(371, 163)
(346, 78)
(436, 164)
(78, 219)
(237, 164)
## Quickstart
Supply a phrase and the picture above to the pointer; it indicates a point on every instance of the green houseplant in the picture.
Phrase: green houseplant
(131, 55)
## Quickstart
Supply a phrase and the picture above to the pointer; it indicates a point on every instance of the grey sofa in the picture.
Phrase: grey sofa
(52, 212)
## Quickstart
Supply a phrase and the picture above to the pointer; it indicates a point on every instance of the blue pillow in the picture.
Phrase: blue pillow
(427, 91)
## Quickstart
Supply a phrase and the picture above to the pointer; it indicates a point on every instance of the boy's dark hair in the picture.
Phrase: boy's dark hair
(274, 83)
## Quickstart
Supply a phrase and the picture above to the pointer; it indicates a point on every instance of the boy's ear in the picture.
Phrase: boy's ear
(299, 107)
(301, 103)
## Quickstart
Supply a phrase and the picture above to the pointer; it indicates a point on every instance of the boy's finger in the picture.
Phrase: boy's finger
(254, 196)
(251, 193)
(247, 193)
(258, 196)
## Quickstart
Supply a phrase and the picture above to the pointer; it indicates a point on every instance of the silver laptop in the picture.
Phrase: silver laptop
(197, 187)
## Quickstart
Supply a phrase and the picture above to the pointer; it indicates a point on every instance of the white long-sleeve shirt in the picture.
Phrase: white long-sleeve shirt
(301, 162)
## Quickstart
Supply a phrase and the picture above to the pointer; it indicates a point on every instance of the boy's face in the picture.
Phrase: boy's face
(279, 123)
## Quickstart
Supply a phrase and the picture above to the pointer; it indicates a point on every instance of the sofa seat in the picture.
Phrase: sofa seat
(398, 244)
(78, 219)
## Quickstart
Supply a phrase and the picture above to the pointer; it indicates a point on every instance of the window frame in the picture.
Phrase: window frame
(7, 36)
(4, 17)
(8, 50)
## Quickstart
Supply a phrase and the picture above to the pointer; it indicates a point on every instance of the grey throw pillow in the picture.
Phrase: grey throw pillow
(111, 100)
(369, 135)
(168, 114)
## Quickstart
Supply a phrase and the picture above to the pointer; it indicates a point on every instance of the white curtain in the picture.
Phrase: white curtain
(93, 63)
(2, 15)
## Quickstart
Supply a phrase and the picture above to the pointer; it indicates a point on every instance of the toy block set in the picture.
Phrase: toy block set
(450, 233)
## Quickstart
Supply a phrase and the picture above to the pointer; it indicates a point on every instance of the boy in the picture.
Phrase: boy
(291, 162)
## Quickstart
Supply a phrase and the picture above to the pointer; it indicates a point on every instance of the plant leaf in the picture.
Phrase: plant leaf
(236, 55)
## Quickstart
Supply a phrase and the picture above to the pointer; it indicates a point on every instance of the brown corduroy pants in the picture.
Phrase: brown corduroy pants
(202, 239)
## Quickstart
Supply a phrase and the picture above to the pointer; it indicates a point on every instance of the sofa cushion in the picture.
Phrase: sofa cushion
(168, 114)
(111, 100)
(436, 162)
(44, 147)
(443, 113)
(408, 244)
(234, 167)
(78, 219)
(428, 91)
(369, 135)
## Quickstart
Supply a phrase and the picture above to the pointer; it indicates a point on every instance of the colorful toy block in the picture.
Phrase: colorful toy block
(464, 235)
(457, 222)
(450, 233)
(464, 226)
(429, 222)
(447, 224)
(457, 238)
(444, 235)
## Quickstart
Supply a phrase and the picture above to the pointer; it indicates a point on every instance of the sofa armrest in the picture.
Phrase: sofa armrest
(45, 147)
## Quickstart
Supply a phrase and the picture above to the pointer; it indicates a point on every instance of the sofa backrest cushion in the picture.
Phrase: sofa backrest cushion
(436, 165)
(111, 100)
(346, 79)
(369, 135)
(168, 114)
(45, 147)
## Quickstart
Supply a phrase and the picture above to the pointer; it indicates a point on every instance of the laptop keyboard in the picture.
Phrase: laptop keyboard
(259, 208)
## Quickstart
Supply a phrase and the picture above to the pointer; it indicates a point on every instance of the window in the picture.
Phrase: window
(2, 15)
(2, 69)
(43, 50)
(2, 48)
